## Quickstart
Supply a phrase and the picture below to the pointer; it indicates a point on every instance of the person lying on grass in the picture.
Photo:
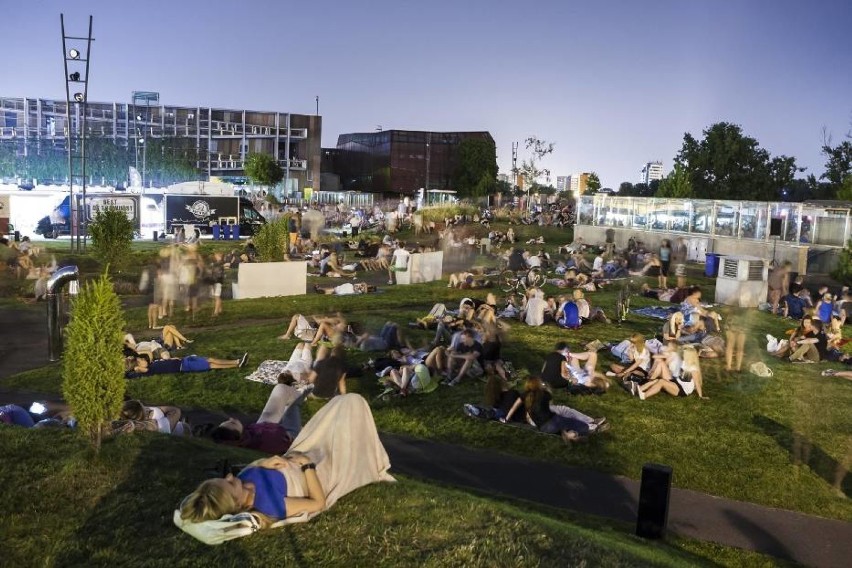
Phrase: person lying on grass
(676, 371)
(410, 379)
(278, 424)
(315, 328)
(337, 452)
(536, 402)
(170, 338)
(135, 367)
(163, 419)
(499, 399)
(346, 289)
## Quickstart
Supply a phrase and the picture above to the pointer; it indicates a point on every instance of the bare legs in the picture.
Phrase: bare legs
(172, 338)
(734, 349)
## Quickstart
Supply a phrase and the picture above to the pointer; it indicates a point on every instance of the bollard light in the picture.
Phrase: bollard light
(79, 97)
(73, 54)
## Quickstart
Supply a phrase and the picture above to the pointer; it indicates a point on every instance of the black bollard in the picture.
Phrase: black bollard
(653, 513)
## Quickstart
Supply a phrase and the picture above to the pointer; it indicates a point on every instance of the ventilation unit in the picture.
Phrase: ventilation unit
(742, 281)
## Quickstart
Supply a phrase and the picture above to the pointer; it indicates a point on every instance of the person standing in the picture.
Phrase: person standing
(779, 284)
(401, 257)
(665, 262)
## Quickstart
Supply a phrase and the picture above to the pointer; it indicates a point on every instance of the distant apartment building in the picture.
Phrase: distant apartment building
(220, 138)
(577, 183)
(399, 161)
(563, 183)
(651, 171)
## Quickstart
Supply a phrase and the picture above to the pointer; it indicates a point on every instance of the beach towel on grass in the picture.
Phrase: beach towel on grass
(268, 371)
(657, 312)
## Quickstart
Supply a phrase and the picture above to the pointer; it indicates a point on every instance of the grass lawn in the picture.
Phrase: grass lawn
(65, 507)
(780, 441)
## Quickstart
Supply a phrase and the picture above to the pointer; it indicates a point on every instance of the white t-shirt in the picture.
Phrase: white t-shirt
(345, 289)
(400, 258)
(535, 311)
(534, 261)
(163, 425)
(597, 265)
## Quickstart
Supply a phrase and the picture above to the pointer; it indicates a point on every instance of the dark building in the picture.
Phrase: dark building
(399, 161)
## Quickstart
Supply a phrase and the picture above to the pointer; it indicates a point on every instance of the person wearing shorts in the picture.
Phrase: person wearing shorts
(665, 262)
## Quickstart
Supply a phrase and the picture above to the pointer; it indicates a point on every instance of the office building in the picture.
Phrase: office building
(651, 171)
(400, 161)
(217, 139)
(563, 183)
(577, 183)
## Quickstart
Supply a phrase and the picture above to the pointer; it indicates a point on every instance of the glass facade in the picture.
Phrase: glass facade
(400, 161)
(221, 138)
(821, 223)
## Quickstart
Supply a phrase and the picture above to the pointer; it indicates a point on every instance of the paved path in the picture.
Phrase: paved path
(792, 536)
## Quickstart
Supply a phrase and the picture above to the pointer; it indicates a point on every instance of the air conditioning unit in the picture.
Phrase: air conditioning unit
(742, 281)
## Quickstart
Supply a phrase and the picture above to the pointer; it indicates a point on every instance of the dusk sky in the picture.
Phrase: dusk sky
(613, 83)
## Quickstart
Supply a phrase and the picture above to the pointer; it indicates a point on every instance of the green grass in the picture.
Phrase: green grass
(64, 506)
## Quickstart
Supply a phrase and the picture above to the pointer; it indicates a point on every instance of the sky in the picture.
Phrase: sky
(613, 83)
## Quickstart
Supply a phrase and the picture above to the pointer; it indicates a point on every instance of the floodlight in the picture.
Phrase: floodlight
(73, 54)
(75, 76)
(79, 97)
(139, 118)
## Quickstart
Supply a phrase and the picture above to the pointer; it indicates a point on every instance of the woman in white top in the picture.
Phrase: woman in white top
(639, 357)
(679, 374)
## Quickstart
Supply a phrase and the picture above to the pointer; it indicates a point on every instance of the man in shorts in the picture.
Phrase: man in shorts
(468, 353)
(779, 284)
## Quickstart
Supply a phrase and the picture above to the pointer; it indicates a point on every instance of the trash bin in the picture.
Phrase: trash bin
(217, 231)
(226, 232)
(235, 230)
(711, 264)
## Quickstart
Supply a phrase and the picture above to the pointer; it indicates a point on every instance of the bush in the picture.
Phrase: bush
(442, 212)
(112, 236)
(93, 367)
(272, 240)
(843, 272)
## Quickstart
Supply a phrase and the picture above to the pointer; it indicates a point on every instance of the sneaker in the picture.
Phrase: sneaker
(611, 374)
(470, 410)
(452, 383)
(633, 388)
(598, 421)
(640, 392)
(602, 427)
(829, 372)
(244, 360)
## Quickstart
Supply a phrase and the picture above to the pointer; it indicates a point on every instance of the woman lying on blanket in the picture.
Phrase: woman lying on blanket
(572, 426)
(135, 367)
(337, 452)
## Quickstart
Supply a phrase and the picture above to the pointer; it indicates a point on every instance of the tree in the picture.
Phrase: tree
(262, 169)
(93, 380)
(726, 164)
(593, 183)
(112, 237)
(476, 172)
(530, 168)
(625, 188)
(676, 184)
(838, 165)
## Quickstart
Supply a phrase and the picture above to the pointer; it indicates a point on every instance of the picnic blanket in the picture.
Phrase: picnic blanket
(657, 312)
(268, 371)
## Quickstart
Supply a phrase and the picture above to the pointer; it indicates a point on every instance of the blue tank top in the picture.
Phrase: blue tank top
(825, 310)
(270, 490)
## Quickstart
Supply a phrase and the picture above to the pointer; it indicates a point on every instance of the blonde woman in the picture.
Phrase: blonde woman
(679, 375)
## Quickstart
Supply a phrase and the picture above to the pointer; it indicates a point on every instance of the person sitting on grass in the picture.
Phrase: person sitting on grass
(536, 403)
(811, 345)
(278, 424)
(678, 374)
(337, 452)
(635, 358)
(652, 267)
(136, 367)
(390, 337)
(562, 369)
(329, 374)
(467, 356)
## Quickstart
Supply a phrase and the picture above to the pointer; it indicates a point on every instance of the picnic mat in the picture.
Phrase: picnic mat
(657, 312)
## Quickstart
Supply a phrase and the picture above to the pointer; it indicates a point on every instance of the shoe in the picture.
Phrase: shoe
(244, 360)
(602, 427)
(640, 392)
(452, 383)
(470, 410)
(829, 372)
(598, 421)
(633, 388)
(611, 374)
(190, 341)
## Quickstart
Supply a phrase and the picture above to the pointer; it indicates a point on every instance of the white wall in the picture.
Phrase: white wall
(270, 279)
(422, 267)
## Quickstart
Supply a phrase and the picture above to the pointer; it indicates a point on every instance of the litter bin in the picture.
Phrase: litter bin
(711, 264)
(226, 232)
(217, 231)
(235, 230)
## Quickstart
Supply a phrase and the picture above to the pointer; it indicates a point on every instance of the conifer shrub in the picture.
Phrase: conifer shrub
(112, 237)
(93, 381)
(272, 240)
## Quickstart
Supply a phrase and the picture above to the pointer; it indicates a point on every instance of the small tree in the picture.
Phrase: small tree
(112, 236)
(92, 367)
(262, 169)
(272, 240)
(530, 168)
(676, 184)
(593, 183)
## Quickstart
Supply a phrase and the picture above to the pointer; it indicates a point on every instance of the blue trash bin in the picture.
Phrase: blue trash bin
(226, 232)
(236, 231)
(711, 265)
(217, 231)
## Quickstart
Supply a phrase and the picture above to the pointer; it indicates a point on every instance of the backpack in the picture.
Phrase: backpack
(570, 316)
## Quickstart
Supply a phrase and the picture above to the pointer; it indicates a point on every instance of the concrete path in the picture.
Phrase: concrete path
(805, 539)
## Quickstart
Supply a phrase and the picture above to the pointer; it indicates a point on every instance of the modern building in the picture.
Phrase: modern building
(400, 161)
(563, 183)
(577, 183)
(651, 171)
(219, 138)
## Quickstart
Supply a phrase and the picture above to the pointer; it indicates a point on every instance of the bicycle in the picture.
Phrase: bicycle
(519, 282)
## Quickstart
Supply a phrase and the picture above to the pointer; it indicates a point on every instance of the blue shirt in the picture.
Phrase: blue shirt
(14, 414)
(270, 490)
